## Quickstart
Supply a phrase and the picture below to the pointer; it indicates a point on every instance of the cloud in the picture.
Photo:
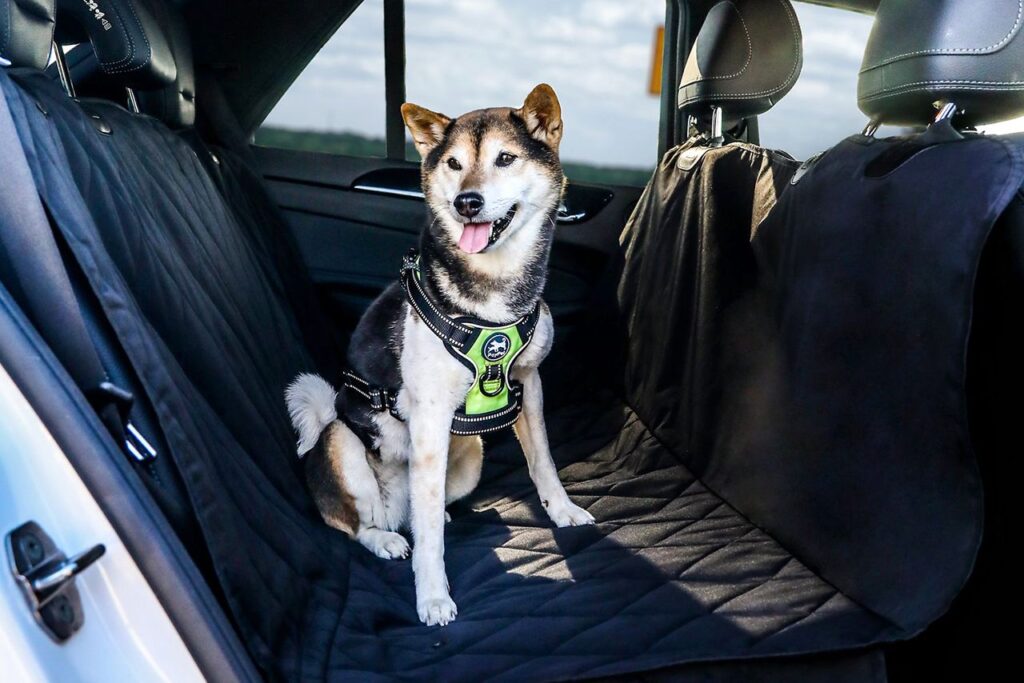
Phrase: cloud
(467, 54)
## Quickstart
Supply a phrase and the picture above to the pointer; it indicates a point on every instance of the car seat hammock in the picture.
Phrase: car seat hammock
(489, 350)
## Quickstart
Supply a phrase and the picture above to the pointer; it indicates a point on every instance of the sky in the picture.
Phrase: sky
(468, 54)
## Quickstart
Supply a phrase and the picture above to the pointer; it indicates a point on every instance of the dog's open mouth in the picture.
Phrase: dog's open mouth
(478, 236)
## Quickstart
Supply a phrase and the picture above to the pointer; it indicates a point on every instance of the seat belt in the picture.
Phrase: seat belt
(38, 280)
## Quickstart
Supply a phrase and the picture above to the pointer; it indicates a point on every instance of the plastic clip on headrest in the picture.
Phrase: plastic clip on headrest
(970, 52)
(26, 32)
(747, 56)
(129, 43)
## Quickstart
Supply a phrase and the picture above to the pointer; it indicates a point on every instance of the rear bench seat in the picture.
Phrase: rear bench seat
(196, 297)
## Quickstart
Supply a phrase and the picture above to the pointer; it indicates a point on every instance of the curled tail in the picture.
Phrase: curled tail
(310, 402)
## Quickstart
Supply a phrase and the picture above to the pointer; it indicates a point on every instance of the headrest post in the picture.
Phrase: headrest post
(947, 110)
(921, 56)
(872, 128)
(133, 104)
(62, 69)
(716, 123)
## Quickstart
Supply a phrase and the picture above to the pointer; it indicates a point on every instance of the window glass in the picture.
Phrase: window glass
(336, 104)
(468, 54)
(596, 54)
(1004, 127)
(821, 109)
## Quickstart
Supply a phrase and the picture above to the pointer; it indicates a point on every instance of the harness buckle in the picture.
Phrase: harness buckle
(379, 399)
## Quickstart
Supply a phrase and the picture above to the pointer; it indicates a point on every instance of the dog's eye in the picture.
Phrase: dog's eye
(454, 164)
(505, 159)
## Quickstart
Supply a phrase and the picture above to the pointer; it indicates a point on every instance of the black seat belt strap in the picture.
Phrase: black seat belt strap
(35, 274)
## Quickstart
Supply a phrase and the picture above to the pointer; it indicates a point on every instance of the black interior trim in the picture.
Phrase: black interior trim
(394, 77)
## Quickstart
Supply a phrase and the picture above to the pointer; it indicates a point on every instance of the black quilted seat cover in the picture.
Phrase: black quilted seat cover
(674, 572)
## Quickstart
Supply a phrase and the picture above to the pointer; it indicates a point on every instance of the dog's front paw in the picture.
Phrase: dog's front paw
(437, 611)
(387, 545)
(569, 514)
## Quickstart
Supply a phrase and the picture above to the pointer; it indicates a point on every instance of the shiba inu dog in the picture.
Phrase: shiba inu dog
(450, 351)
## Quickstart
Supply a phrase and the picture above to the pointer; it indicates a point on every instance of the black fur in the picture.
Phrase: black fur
(375, 350)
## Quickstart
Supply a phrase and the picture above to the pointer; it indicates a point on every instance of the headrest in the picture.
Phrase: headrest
(129, 43)
(747, 56)
(174, 104)
(970, 52)
(26, 31)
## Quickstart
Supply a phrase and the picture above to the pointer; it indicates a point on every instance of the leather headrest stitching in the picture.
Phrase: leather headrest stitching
(747, 56)
(129, 43)
(26, 32)
(964, 51)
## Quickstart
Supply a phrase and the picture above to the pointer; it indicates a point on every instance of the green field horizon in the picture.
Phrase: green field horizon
(358, 145)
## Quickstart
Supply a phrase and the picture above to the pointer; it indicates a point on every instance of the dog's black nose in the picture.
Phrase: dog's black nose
(469, 204)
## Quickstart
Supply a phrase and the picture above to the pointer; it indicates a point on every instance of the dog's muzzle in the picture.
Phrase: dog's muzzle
(498, 226)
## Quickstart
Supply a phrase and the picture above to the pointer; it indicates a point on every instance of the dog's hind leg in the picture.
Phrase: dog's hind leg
(347, 492)
(465, 460)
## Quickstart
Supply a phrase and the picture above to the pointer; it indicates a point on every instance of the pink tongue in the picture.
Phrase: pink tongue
(474, 237)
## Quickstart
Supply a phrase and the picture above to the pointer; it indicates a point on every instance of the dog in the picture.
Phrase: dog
(492, 181)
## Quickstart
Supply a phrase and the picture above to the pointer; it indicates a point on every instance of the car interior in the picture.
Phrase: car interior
(785, 388)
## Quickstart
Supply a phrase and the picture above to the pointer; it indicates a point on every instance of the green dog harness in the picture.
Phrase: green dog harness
(494, 400)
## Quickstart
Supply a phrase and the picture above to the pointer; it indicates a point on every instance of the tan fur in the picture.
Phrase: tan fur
(427, 127)
(543, 115)
(326, 478)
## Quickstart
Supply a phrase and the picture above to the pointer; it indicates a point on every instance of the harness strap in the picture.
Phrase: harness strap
(447, 329)
(380, 398)
(458, 336)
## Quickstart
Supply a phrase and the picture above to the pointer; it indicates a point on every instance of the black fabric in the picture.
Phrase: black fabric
(766, 558)
(965, 51)
(842, 410)
(26, 29)
(687, 261)
(747, 56)
(128, 42)
(535, 602)
(29, 253)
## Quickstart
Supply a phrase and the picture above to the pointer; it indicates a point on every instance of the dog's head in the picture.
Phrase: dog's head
(492, 175)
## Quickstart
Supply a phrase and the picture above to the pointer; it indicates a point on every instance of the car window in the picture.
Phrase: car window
(1004, 127)
(821, 109)
(596, 54)
(336, 105)
(467, 54)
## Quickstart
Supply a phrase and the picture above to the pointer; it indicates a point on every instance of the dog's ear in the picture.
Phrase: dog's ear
(427, 127)
(543, 115)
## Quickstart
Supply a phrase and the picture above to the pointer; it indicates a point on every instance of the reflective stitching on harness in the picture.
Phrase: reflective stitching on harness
(481, 412)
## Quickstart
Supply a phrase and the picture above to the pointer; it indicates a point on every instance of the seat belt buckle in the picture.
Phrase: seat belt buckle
(137, 445)
(108, 392)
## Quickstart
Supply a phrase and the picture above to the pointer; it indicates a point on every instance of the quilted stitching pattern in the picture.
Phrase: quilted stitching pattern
(670, 571)
(670, 574)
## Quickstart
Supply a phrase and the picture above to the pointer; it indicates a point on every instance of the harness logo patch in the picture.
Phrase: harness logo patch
(496, 347)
